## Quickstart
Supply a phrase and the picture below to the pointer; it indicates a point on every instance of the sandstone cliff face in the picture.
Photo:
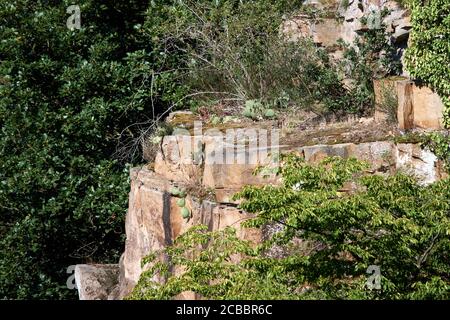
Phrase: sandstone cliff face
(419, 107)
(154, 220)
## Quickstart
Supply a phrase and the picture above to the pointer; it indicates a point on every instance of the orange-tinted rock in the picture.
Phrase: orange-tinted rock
(418, 106)
(377, 154)
(232, 217)
(326, 32)
(177, 160)
(428, 108)
(146, 225)
(154, 221)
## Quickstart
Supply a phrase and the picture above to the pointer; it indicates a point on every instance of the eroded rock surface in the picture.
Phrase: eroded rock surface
(154, 219)
(97, 281)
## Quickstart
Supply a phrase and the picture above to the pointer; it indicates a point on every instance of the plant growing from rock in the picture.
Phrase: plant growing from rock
(178, 192)
(270, 113)
(185, 213)
(372, 55)
(181, 202)
(252, 109)
(389, 101)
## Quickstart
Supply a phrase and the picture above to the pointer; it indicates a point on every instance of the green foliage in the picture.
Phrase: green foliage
(65, 99)
(388, 101)
(209, 271)
(428, 56)
(405, 3)
(175, 191)
(391, 222)
(409, 137)
(345, 4)
(233, 51)
(252, 108)
(215, 120)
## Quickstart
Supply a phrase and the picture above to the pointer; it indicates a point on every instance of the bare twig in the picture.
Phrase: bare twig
(425, 255)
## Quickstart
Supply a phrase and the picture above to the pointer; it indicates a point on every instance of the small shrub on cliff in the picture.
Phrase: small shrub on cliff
(392, 223)
(388, 102)
(234, 51)
(371, 56)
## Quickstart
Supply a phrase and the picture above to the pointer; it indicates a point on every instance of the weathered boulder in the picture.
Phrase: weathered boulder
(428, 108)
(97, 281)
(422, 164)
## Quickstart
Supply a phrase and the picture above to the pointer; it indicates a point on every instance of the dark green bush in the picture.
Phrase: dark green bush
(66, 97)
